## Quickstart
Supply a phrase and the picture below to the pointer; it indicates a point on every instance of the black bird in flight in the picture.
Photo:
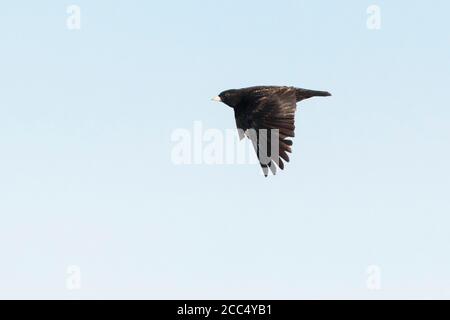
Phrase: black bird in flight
(266, 115)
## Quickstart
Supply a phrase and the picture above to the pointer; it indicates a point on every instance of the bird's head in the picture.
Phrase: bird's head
(230, 97)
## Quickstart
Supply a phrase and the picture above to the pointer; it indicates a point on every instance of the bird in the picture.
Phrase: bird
(266, 115)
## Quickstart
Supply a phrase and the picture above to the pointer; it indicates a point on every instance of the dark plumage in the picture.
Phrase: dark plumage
(266, 115)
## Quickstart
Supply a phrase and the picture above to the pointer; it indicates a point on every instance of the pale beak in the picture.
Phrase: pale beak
(217, 99)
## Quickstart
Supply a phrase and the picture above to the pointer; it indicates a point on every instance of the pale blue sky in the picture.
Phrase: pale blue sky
(86, 177)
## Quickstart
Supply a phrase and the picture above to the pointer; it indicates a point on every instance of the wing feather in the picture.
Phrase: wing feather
(273, 111)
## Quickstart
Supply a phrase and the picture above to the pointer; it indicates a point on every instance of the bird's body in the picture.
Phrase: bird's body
(266, 115)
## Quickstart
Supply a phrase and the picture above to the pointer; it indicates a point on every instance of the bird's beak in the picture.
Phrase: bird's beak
(217, 99)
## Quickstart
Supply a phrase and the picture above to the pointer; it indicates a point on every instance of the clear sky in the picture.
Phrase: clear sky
(87, 179)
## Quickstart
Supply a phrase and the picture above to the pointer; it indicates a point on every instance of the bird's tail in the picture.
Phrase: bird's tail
(303, 94)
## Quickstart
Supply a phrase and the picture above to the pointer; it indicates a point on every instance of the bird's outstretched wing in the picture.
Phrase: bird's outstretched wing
(269, 122)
